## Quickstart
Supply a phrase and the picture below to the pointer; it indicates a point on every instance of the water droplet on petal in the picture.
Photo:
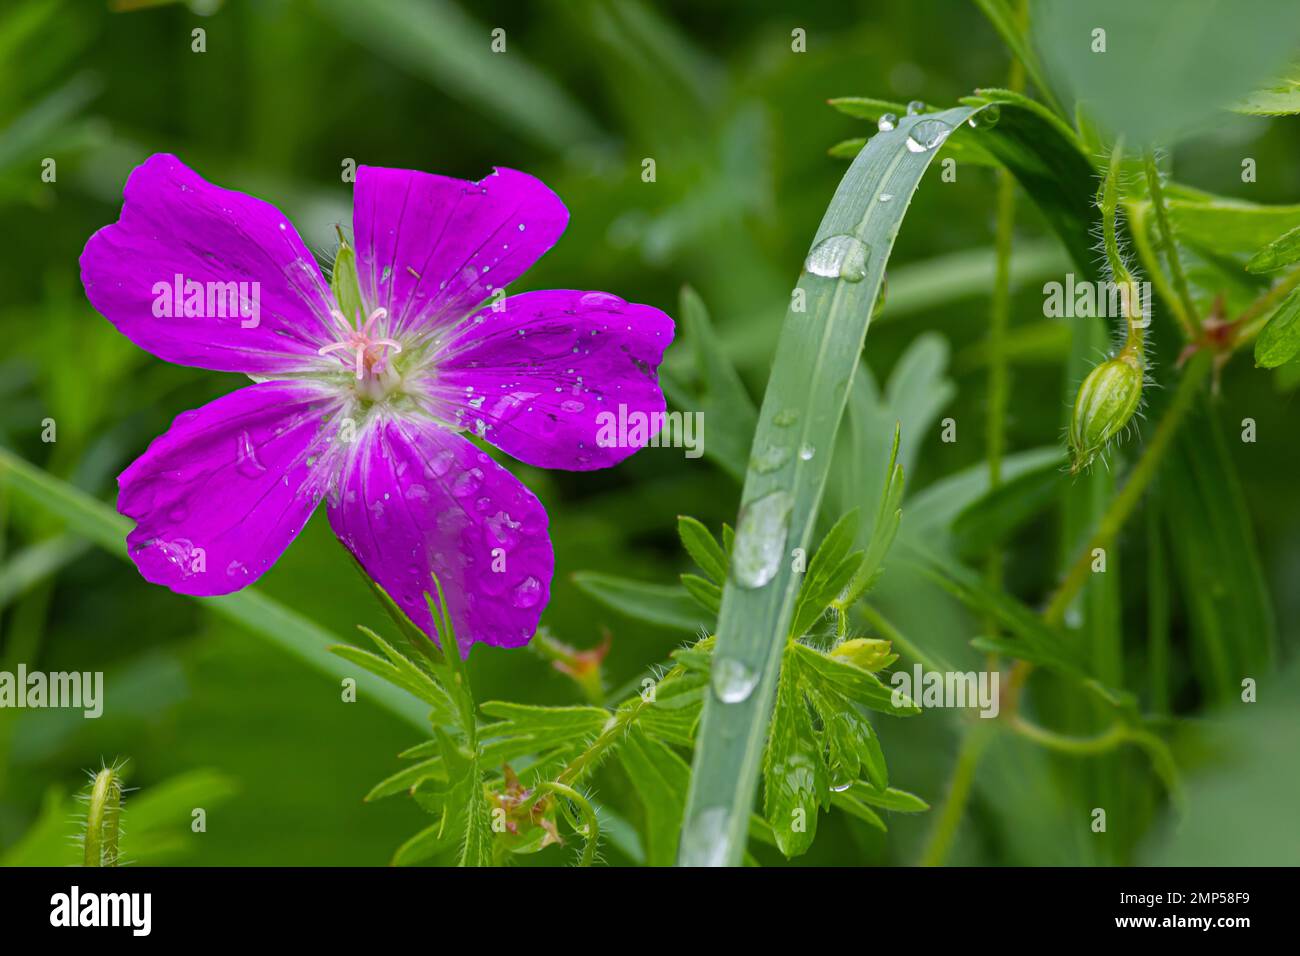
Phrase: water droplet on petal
(246, 462)
(527, 593)
(839, 257)
(760, 539)
(601, 302)
(467, 482)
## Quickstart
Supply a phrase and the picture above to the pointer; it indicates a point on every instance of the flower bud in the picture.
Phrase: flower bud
(1107, 400)
(870, 655)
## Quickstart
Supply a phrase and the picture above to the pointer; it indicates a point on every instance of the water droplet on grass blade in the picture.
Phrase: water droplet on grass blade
(914, 107)
(769, 459)
(760, 539)
(886, 122)
(927, 134)
(839, 257)
(806, 452)
(986, 118)
(704, 841)
(733, 680)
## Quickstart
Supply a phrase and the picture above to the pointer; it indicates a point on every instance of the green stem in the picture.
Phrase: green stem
(1185, 308)
(999, 321)
(973, 742)
(591, 822)
(1122, 505)
(103, 819)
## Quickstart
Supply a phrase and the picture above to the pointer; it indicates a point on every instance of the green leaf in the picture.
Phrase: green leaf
(1164, 72)
(861, 687)
(826, 576)
(900, 801)
(1221, 577)
(856, 808)
(707, 594)
(1282, 251)
(1280, 97)
(702, 547)
(714, 388)
(1279, 340)
(665, 605)
(816, 359)
(257, 613)
(531, 719)
(406, 779)
(428, 843)
(660, 778)
(794, 779)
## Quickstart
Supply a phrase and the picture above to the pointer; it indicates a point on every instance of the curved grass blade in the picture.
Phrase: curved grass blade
(816, 360)
(260, 614)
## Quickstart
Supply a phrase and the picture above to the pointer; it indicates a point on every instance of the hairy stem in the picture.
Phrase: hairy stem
(1122, 505)
(973, 742)
(104, 818)
(1184, 307)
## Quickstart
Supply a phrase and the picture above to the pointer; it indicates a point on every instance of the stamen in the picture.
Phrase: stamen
(368, 352)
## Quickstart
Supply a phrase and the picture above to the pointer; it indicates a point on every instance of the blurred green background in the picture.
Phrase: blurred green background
(736, 122)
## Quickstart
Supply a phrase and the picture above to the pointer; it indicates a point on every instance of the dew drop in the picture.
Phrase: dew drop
(769, 459)
(601, 302)
(705, 840)
(760, 539)
(785, 418)
(246, 462)
(986, 118)
(839, 257)
(885, 197)
(467, 482)
(527, 593)
(926, 135)
(914, 107)
(806, 453)
(886, 122)
(733, 681)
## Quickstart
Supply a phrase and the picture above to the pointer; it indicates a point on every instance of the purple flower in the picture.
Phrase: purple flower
(363, 385)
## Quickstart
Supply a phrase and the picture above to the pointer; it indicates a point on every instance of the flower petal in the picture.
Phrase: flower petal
(264, 306)
(543, 376)
(417, 499)
(430, 248)
(220, 495)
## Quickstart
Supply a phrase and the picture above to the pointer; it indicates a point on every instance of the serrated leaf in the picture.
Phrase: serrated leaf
(856, 808)
(660, 778)
(715, 388)
(825, 576)
(407, 778)
(900, 801)
(705, 593)
(666, 605)
(1279, 341)
(536, 720)
(853, 682)
(1282, 251)
(702, 547)
(794, 778)
(428, 843)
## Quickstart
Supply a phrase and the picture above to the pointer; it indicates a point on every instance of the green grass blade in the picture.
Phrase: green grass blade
(816, 359)
(258, 613)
